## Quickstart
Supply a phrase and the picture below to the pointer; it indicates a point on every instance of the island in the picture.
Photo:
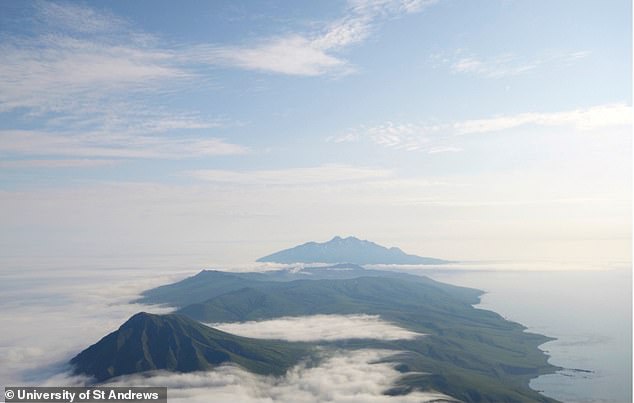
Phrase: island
(465, 353)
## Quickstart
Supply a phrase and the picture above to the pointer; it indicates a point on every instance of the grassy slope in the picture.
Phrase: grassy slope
(202, 286)
(475, 355)
(173, 342)
(472, 354)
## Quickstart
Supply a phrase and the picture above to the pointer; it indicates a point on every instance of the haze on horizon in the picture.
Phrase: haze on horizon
(219, 133)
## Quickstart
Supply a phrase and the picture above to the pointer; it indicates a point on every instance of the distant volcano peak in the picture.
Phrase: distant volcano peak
(347, 250)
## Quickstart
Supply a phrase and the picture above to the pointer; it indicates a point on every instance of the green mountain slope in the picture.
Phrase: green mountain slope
(202, 286)
(473, 354)
(176, 343)
(359, 295)
(210, 283)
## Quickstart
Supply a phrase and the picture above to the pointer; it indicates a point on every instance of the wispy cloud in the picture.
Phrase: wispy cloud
(68, 71)
(389, 6)
(59, 163)
(77, 17)
(126, 145)
(319, 327)
(312, 53)
(442, 137)
(430, 138)
(62, 68)
(508, 64)
(92, 78)
(330, 173)
(591, 118)
(500, 66)
(293, 55)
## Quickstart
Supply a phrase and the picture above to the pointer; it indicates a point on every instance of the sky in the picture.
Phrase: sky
(199, 133)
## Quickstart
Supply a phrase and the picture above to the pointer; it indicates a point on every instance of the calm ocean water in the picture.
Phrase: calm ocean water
(588, 311)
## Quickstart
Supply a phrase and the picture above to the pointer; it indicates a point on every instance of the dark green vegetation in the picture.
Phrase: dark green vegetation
(389, 297)
(210, 283)
(347, 250)
(173, 342)
(471, 354)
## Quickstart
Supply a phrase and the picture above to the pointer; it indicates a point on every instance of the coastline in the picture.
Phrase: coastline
(592, 348)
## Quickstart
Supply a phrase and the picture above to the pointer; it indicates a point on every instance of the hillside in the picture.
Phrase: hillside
(149, 342)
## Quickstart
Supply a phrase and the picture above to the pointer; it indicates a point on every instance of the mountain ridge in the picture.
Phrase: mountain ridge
(347, 250)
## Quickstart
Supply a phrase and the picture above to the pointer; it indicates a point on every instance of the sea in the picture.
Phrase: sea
(588, 311)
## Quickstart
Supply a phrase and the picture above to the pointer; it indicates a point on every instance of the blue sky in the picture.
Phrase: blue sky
(225, 130)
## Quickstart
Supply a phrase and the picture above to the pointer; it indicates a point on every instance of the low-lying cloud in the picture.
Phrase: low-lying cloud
(319, 327)
(342, 376)
(51, 315)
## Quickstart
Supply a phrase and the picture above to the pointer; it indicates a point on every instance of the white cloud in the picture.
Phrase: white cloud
(378, 7)
(439, 150)
(509, 64)
(312, 53)
(57, 72)
(119, 145)
(343, 33)
(91, 73)
(73, 308)
(293, 55)
(60, 163)
(77, 17)
(92, 78)
(319, 327)
(342, 377)
(441, 137)
(500, 66)
(401, 136)
(591, 118)
(329, 173)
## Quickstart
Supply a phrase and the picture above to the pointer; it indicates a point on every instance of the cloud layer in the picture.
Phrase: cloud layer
(329, 173)
(342, 377)
(444, 136)
(319, 327)
(53, 316)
